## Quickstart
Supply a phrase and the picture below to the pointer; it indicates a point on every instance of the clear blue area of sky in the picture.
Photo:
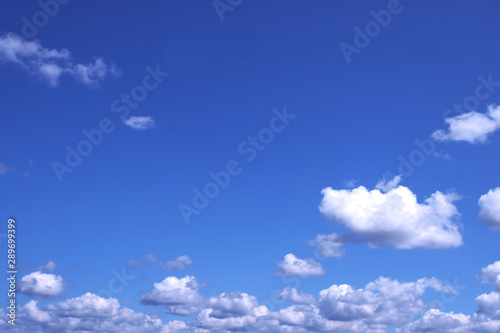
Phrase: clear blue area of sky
(353, 121)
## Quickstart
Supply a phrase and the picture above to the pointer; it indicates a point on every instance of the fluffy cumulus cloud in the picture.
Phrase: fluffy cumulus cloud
(180, 263)
(42, 285)
(374, 308)
(391, 218)
(292, 295)
(472, 127)
(50, 65)
(449, 322)
(329, 245)
(233, 304)
(87, 313)
(387, 185)
(489, 205)
(140, 123)
(491, 273)
(377, 307)
(485, 319)
(489, 303)
(293, 266)
(436, 321)
(384, 301)
(173, 291)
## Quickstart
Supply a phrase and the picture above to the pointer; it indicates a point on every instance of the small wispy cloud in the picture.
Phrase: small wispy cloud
(140, 123)
(49, 266)
(389, 215)
(4, 169)
(443, 155)
(489, 204)
(49, 65)
(350, 183)
(180, 263)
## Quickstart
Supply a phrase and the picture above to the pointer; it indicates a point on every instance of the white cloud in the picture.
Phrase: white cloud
(376, 308)
(205, 319)
(32, 311)
(350, 183)
(49, 266)
(180, 263)
(387, 185)
(307, 318)
(394, 218)
(384, 301)
(491, 273)
(293, 266)
(489, 205)
(174, 326)
(38, 284)
(174, 291)
(87, 313)
(51, 64)
(329, 245)
(472, 127)
(292, 295)
(87, 305)
(486, 319)
(140, 123)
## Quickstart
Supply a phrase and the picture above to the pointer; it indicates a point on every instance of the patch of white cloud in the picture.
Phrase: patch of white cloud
(387, 185)
(41, 285)
(394, 218)
(329, 245)
(140, 123)
(293, 266)
(491, 273)
(436, 321)
(180, 263)
(87, 313)
(472, 127)
(377, 307)
(49, 266)
(174, 291)
(49, 65)
(489, 205)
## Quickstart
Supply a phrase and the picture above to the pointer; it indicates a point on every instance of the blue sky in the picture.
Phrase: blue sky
(355, 148)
